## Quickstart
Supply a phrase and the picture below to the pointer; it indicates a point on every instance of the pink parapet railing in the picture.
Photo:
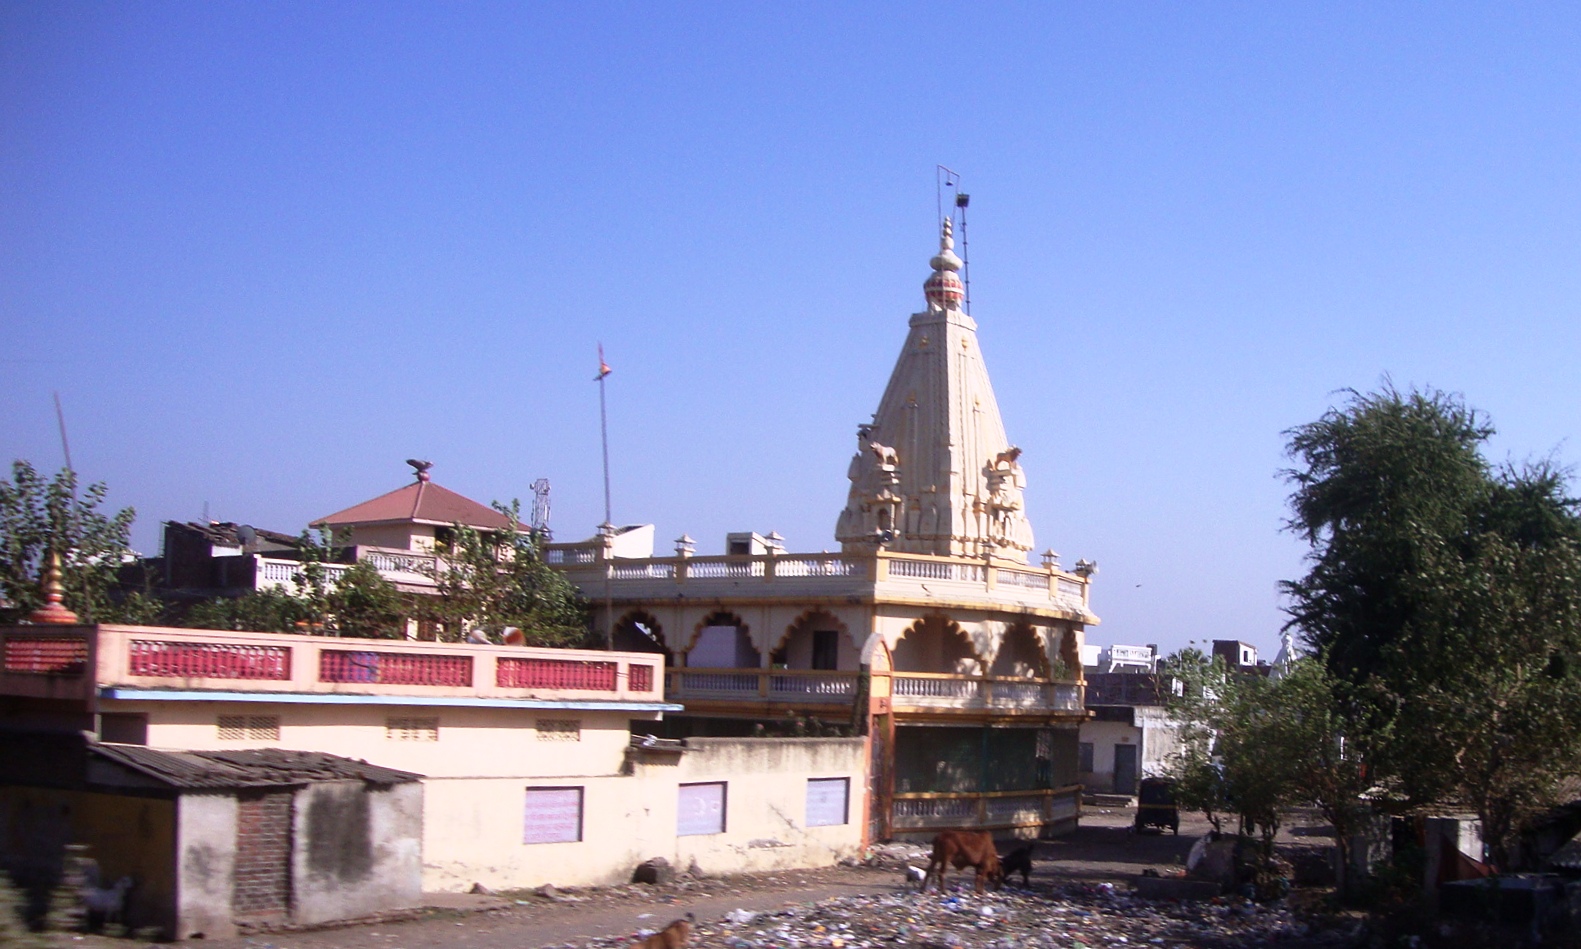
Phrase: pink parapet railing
(394, 668)
(54, 656)
(208, 660)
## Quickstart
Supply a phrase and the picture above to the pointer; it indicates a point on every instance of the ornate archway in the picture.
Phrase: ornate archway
(1020, 654)
(639, 631)
(721, 641)
(936, 643)
(816, 640)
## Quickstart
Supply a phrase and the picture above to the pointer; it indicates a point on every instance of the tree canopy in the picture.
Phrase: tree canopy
(40, 516)
(1445, 593)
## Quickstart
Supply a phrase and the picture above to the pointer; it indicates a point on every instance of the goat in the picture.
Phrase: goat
(1018, 860)
(106, 904)
(673, 936)
(962, 849)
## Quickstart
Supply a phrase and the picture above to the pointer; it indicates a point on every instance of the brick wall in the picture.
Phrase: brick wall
(262, 890)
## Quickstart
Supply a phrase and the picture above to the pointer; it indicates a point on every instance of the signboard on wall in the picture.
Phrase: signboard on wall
(553, 816)
(701, 809)
(828, 801)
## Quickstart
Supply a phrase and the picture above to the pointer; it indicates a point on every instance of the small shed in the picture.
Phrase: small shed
(216, 839)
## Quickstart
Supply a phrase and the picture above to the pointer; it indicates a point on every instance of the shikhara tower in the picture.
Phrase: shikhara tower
(934, 472)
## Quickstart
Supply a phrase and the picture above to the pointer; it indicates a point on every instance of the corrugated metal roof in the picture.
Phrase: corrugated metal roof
(257, 767)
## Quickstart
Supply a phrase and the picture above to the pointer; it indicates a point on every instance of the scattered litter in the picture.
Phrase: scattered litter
(1064, 916)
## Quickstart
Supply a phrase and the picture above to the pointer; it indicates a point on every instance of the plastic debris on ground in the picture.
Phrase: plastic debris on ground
(1065, 916)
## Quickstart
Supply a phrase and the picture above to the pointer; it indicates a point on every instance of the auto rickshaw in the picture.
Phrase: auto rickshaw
(1155, 805)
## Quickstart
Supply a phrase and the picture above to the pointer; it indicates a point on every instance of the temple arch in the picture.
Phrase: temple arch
(721, 641)
(816, 640)
(639, 631)
(937, 644)
(1020, 653)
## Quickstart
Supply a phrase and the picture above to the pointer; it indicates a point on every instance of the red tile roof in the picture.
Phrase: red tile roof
(421, 502)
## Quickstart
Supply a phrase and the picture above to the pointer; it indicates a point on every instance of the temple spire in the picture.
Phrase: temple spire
(934, 472)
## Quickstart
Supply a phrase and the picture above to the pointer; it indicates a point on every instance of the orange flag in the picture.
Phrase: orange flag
(603, 367)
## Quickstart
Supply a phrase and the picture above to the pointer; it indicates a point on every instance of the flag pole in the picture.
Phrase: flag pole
(607, 529)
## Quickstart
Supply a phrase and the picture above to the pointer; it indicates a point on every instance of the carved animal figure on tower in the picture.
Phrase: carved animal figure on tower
(673, 936)
(885, 454)
(1007, 458)
(962, 849)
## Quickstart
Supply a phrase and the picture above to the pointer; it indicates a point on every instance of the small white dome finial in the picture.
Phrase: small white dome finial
(943, 287)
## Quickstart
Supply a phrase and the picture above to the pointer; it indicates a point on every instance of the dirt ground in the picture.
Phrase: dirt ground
(1102, 850)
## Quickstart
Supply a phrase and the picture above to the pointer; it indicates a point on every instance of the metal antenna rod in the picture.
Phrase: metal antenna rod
(943, 177)
(962, 199)
(609, 523)
(60, 419)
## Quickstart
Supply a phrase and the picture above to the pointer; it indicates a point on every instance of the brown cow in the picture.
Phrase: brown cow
(673, 936)
(962, 849)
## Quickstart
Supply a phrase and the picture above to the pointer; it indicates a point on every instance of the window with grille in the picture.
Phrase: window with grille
(559, 729)
(828, 801)
(411, 729)
(701, 809)
(553, 816)
(1084, 754)
(249, 728)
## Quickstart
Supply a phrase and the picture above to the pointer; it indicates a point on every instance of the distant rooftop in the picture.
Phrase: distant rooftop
(421, 502)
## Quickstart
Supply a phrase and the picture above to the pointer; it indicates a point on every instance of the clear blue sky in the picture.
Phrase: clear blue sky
(265, 252)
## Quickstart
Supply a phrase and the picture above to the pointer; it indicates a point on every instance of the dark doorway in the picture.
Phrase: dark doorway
(825, 649)
(1125, 769)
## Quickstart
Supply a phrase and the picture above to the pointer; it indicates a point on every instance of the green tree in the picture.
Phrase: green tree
(363, 604)
(488, 581)
(1237, 754)
(39, 516)
(1444, 594)
(260, 611)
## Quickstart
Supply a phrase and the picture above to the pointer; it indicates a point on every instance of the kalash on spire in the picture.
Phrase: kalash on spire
(933, 472)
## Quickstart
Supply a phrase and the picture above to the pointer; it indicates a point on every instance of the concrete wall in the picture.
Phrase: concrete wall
(1160, 740)
(766, 802)
(474, 827)
(1157, 736)
(205, 865)
(358, 850)
(1104, 736)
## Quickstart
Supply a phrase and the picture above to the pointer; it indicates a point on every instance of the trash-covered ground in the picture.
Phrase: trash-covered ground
(1065, 915)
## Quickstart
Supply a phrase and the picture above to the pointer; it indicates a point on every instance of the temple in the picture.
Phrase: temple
(930, 631)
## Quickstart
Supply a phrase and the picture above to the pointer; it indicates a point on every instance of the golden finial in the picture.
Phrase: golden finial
(54, 610)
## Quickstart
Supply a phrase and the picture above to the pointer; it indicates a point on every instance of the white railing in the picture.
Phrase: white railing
(831, 686)
(566, 555)
(724, 569)
(391, 561)
(799, 566)
(270, 573)
(1020, 694)
(912, 811)
(587, 567)
(793, 686)
(1020, 578)
(937, 687)
(937, 570)
(934, 691)
(642, 571)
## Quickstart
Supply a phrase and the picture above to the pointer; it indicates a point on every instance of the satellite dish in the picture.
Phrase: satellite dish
(886, 537)
(246, 534)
